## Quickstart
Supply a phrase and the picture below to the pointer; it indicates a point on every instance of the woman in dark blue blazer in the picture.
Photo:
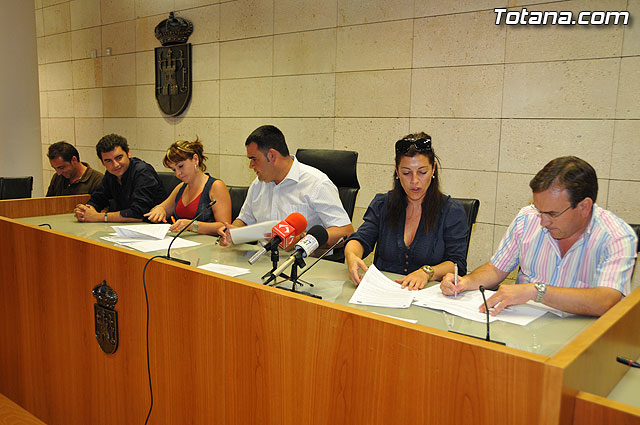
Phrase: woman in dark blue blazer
(416, 229)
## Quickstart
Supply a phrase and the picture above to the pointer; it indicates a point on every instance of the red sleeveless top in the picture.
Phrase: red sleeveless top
(190, 210)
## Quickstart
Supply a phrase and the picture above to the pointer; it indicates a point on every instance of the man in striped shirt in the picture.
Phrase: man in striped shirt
(573, 255)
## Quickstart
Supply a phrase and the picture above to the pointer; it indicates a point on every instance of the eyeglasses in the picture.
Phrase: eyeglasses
(552, 215)
(422, 144)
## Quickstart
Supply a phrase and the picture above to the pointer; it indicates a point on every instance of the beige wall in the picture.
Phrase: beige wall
(358, 74)
(19, 103)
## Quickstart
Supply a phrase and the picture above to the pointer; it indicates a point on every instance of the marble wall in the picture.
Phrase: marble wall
(500, 101)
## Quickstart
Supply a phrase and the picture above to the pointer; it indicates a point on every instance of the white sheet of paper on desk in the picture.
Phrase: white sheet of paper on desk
(224, 269)
(114, 238)
(143, 231)
(377, 290)
(396, 317)
(463, 305)
(253, 232)
(160, 245)
(466, 305)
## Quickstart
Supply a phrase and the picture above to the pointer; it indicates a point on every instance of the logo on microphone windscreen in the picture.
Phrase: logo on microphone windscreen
(285, 231)
(309, 244)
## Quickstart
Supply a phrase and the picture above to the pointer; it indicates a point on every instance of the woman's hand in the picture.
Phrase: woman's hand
(179, 225)
(354, 265)
(414, 281)
(157, 214)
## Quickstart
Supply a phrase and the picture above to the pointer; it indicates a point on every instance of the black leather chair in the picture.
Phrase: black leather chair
(169, 181)
(16, 187)
(636, 227)
(471, 207)
(340, 167)
(238, 195)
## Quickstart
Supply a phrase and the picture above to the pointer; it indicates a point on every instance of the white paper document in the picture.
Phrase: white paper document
(377, 290)
(224, 269)
(142, 231)
(466, 305)
(397, 318)
(253, 232)
(151, 244)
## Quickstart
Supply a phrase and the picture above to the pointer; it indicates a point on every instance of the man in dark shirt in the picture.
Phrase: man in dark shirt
(72, 176)
(131, 183)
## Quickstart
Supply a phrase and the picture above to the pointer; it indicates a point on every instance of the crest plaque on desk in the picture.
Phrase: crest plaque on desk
(106, 317)
(173, 65)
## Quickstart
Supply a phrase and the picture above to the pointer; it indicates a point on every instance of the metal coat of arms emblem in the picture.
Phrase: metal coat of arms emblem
(106, 317)
(173, 65)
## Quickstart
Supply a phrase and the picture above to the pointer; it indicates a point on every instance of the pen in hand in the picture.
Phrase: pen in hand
(455, 281)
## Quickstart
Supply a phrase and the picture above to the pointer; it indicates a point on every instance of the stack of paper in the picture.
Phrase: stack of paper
(378, 290)
(142, 231)
(146, 237)
(463, 305)
(375, 289)
(224, 269)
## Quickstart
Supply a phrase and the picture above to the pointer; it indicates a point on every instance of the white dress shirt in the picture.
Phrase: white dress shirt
(305, 190)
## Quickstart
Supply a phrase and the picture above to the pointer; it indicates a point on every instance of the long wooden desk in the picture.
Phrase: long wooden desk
(230, 351)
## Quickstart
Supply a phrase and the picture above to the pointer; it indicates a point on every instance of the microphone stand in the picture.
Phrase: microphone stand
(486, 309)
(178, 260)
(299, 262)
(275, 257)
(295, 277)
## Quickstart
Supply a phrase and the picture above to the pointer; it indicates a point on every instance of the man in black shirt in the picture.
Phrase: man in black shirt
(131, 183)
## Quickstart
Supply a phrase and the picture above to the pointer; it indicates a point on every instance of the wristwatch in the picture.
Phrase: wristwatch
(429, 271)
(106, 217)
(542, 289)
(194, 227)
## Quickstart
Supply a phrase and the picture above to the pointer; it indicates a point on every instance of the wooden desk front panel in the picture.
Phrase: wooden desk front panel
(225, 351)
(295, 361)
(32, 207)
(51, 362)
(591, 409)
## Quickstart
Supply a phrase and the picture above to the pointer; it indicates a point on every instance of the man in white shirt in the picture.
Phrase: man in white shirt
(284, 185)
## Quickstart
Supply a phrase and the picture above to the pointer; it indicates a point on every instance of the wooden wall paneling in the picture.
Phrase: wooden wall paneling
(33, 207)
(592, 409)
(307, 362)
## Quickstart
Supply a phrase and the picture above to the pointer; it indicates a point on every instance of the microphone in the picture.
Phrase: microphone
(317, 236)
(627, 362)
(168, 257)
(283, 234)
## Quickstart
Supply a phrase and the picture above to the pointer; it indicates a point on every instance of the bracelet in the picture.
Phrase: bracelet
(194, 227)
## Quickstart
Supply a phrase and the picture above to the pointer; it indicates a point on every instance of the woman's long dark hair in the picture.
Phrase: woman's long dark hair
(433, 198)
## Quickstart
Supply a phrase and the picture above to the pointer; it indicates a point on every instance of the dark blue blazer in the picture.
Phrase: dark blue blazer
(447, 240)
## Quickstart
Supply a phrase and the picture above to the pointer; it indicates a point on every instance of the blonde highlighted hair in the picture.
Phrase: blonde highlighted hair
(183, 150)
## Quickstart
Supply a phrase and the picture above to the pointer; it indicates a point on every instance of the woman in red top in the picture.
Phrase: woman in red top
(186, 160)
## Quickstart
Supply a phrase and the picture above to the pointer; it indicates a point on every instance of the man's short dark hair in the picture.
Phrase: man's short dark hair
(64, 150)
(109, 143)
(268, 137)
(571, 173)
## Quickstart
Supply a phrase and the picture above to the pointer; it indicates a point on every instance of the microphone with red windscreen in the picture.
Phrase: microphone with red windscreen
(283, 234)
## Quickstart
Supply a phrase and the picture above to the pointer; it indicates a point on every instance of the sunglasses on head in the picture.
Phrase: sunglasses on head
(422, 144)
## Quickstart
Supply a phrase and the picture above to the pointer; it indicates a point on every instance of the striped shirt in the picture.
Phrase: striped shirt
(305, 190)
(604, 255)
